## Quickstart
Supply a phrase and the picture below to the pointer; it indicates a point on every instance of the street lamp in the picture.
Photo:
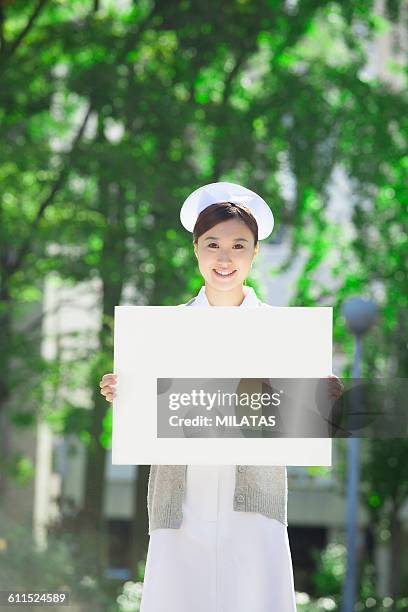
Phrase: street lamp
(360, 314)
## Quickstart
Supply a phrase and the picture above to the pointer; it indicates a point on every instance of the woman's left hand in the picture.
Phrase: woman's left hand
(336, 387)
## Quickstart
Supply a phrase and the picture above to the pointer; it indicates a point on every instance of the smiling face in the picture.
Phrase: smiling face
(225, 253)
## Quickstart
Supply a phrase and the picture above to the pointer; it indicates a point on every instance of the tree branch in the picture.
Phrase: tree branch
(50, 197)
(8, 50)
(20, 255)
(134, 35)
(1, 27)
(240, 60)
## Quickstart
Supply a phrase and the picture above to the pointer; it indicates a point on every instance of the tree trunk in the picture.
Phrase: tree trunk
(396, 551)
(111, 272)
(5, 357)
(93, 505)
(140, 522)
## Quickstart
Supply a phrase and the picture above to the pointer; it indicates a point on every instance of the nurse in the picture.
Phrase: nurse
(218, 534)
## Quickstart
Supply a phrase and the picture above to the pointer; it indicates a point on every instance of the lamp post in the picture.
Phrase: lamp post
(360, 314)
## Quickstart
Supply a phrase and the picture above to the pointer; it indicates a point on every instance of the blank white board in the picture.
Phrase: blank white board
(154, 342)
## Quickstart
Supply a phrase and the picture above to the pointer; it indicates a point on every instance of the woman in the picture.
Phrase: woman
(218, 534)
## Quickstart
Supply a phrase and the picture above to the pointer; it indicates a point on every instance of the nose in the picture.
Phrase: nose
(223, 256)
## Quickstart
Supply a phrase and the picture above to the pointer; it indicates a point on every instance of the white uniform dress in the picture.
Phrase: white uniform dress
(219, 560)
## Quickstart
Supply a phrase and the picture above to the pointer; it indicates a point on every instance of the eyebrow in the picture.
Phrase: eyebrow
(235, 239)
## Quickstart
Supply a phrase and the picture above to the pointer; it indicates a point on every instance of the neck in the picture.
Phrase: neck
(235, 297)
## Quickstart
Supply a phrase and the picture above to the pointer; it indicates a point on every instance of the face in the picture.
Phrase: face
(225, 254)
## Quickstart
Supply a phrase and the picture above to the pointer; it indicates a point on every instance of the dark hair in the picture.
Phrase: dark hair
(223, 211)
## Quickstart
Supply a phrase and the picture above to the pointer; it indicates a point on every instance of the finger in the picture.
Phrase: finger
(107, 381)
(108, 386)
(106, 390)
(334, 386)
(109, 397)
(108, 377)
(335, 382)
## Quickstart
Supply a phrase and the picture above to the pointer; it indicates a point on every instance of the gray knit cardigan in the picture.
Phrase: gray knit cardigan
(258, 488)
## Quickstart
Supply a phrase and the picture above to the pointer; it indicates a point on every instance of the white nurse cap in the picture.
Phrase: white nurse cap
(213, 193)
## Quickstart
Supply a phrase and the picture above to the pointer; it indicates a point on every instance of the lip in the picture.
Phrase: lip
(230, 275)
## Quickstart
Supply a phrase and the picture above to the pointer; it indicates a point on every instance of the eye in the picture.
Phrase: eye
(240, 246)
(212, 244)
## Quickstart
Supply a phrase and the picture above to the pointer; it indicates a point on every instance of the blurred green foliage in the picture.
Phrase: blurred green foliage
(57, 567)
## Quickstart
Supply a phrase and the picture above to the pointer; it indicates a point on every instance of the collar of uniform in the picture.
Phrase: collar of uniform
(250, 299)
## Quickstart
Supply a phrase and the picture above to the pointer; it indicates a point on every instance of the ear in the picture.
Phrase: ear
(256, 249)
(195, 249)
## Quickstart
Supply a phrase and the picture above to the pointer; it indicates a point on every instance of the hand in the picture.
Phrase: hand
(107, 385)
(336, 387)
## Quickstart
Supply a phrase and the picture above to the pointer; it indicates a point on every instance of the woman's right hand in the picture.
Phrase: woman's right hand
(107, 385)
